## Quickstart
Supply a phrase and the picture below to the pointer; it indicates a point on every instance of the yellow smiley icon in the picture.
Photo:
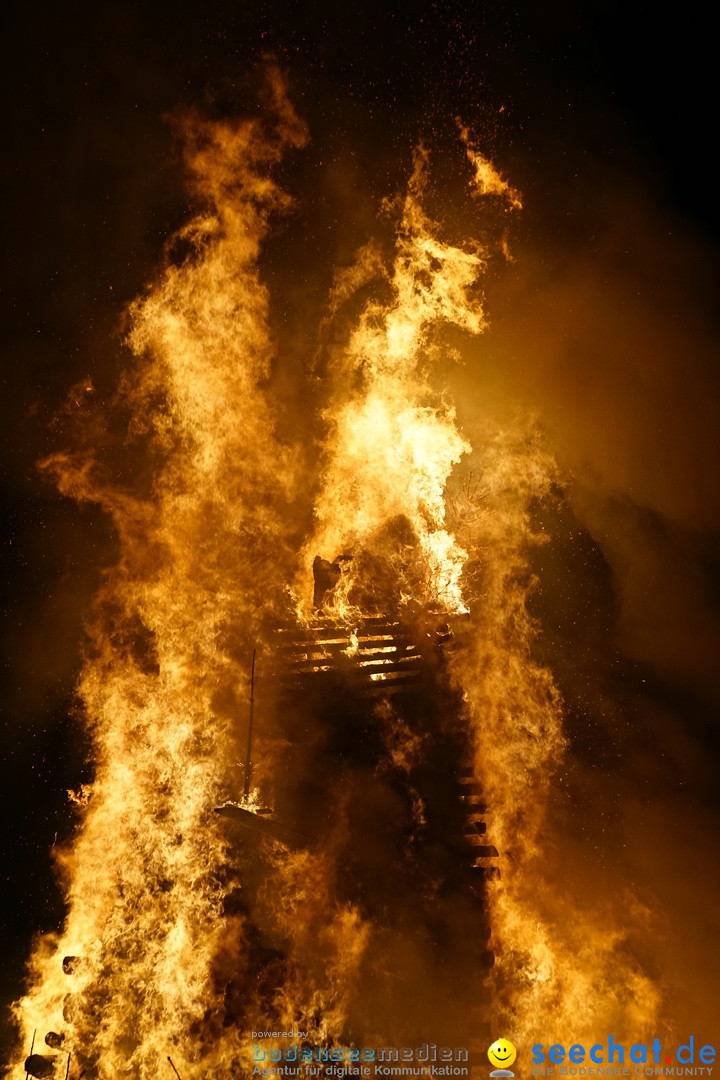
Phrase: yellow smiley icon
(502, 1053)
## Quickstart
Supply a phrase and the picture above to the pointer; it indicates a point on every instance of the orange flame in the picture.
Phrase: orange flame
(392, 443)
(147, 877)
(562, 972)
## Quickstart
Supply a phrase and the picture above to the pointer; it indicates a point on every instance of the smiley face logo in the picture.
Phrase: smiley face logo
(502, 1053)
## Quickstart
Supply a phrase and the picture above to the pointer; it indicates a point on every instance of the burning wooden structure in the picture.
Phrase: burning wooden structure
(379, 765)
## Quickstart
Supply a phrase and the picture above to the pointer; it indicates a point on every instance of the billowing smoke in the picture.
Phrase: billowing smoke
(612, 344)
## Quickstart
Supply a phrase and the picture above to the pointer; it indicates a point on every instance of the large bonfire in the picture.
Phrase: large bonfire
(160, 956)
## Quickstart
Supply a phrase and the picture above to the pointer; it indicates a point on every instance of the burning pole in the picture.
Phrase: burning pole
(248, 752)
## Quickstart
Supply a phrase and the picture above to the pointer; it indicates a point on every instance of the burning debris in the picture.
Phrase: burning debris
(358, 873)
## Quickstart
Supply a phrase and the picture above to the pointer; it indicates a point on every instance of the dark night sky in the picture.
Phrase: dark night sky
(568, 97)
